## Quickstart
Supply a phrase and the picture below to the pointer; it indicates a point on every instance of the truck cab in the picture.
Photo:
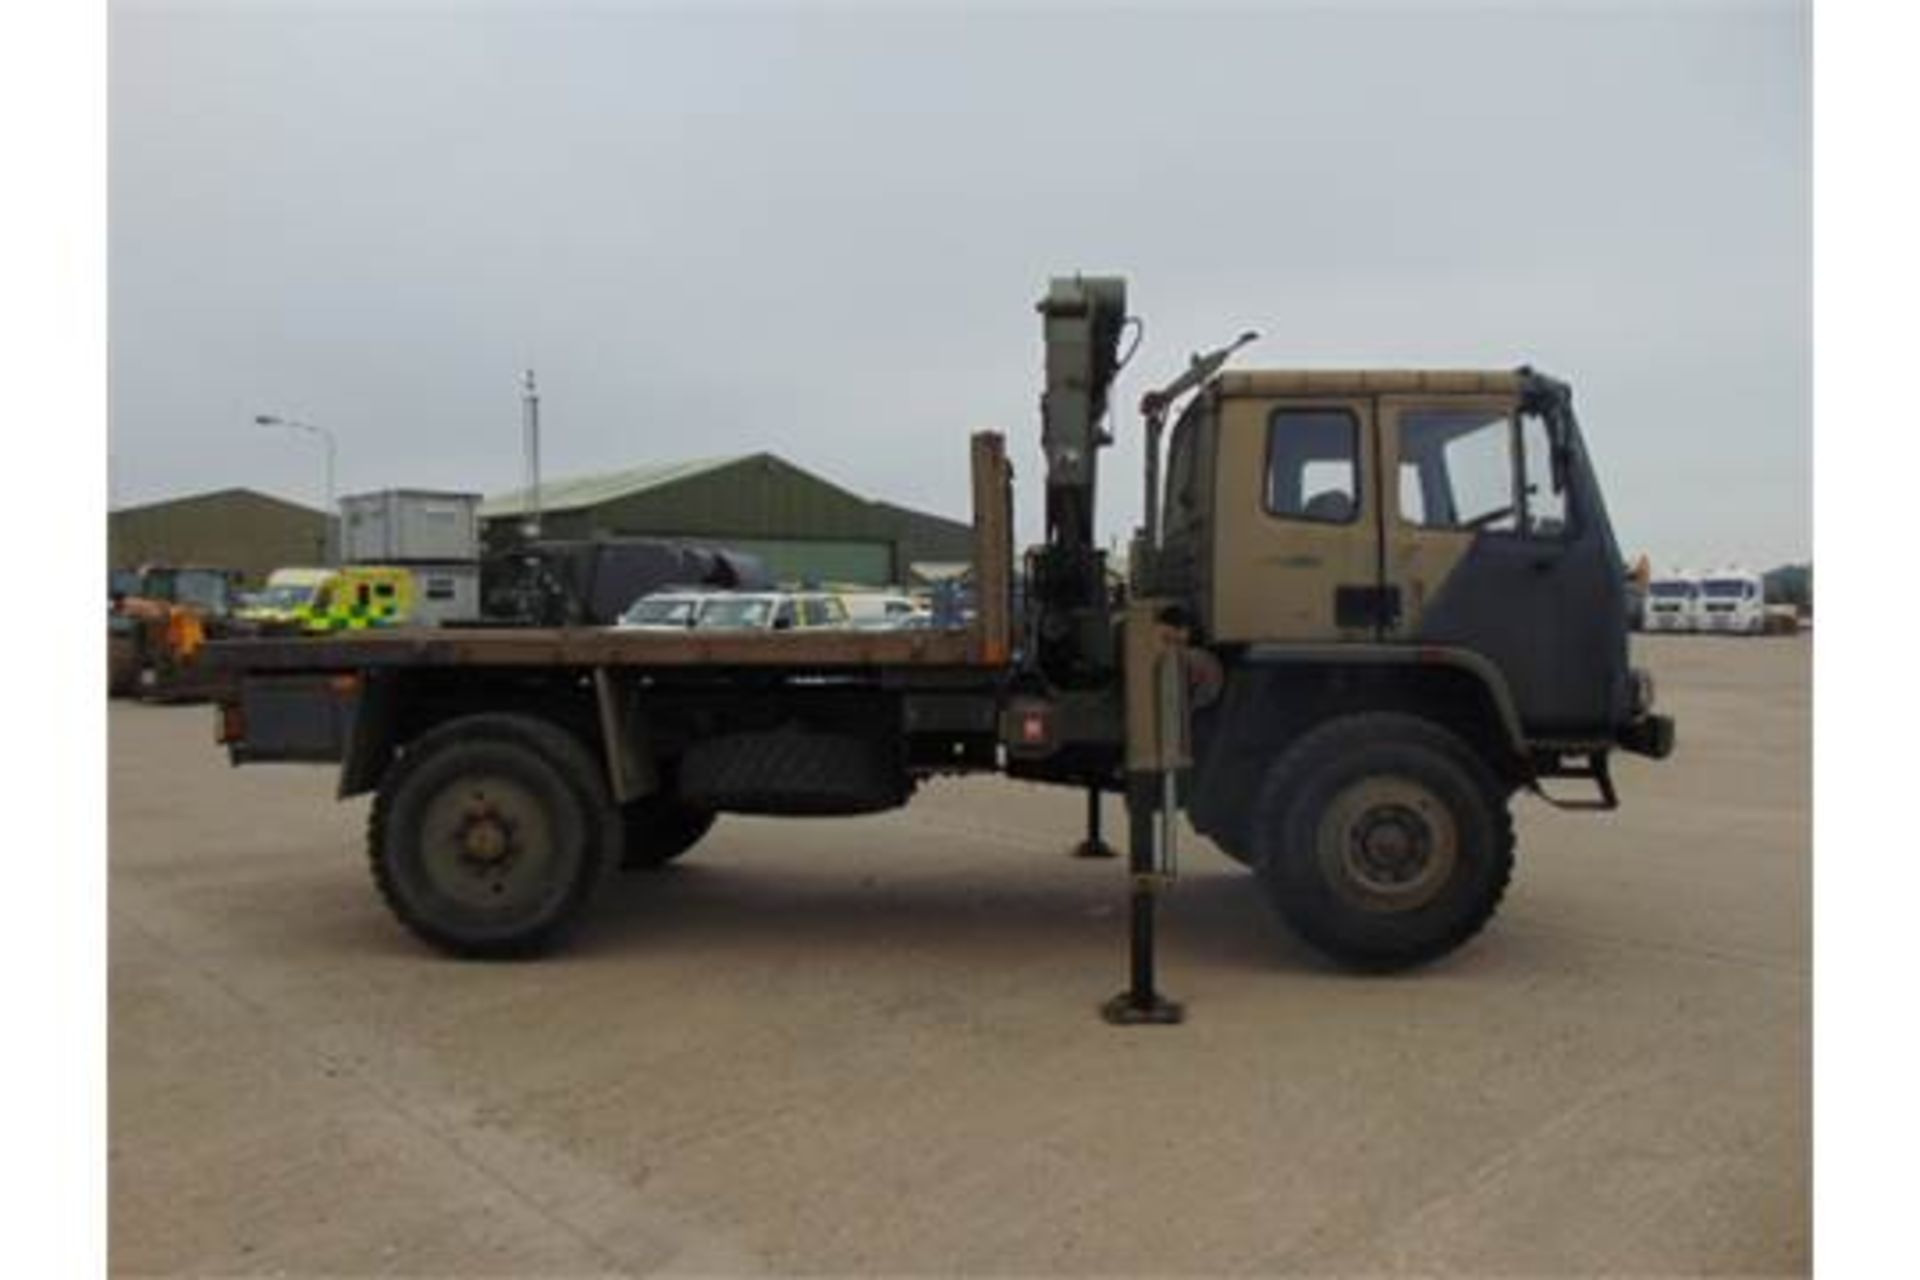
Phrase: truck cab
(1673, 603)
(1429, 542)
(1732, 601)
(1451, 517)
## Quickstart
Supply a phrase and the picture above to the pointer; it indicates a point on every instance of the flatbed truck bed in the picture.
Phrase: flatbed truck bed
(606, 647)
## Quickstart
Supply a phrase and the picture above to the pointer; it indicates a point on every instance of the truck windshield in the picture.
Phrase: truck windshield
(285, 596)
(1728, 588)
(1672, 590)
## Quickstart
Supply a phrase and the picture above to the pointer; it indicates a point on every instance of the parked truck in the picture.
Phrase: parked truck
(1732, 601)
(1673, 602)
(1365, 610)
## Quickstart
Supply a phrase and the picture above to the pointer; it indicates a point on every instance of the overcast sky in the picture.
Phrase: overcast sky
(821, 232)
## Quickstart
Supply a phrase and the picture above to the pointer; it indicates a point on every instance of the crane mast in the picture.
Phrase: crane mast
(1083, 318)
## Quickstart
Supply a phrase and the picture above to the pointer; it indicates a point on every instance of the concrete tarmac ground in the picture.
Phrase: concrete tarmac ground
(870, 1046)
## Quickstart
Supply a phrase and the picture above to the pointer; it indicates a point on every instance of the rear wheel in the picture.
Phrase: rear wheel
(1383, 840)
(490, 834)
(659, 828)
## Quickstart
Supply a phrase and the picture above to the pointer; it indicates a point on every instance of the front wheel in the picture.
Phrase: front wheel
(489, 835)
(1383, 840)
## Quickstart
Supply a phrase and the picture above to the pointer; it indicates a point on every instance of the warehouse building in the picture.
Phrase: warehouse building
(242, 529)
(804, 528)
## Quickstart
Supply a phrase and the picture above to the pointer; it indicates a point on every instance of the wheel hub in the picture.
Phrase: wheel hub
(485, 837)
(1391, 844)
(1388, 844)
(485, 842)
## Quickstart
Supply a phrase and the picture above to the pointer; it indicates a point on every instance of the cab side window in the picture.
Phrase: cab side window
(1313, 465)
(1546, 491)
(1476, 470)
(1456, 470)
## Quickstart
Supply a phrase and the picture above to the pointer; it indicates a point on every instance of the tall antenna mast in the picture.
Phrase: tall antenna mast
(530, 416)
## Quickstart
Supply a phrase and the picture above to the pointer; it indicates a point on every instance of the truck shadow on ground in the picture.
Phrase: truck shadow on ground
(997, 918)
(1217, 916)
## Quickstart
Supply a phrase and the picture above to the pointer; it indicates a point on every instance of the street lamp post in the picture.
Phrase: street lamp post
(332, 515)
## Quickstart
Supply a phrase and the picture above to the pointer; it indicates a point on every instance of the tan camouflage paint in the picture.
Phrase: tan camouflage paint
(1279, 383)
(1274, 578)
(1154, 742)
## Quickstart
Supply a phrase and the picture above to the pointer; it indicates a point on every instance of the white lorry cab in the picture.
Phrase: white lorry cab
(1732, 600)
(1673, 602)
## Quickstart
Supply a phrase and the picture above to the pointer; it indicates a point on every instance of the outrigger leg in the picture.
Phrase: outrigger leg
(1141, 1004)
(1093, 846)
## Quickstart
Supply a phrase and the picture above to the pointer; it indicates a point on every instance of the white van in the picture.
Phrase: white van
(771, 611)
(1732, 600)
(1673, 602)
(881, 610)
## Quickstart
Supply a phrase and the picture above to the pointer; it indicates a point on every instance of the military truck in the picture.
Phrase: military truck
(1366, 609)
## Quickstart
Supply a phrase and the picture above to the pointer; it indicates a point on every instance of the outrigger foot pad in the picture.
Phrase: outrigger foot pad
(1130, 1010)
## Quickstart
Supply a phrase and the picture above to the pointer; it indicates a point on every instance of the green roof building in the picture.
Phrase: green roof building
(805, 528)
(242, 529)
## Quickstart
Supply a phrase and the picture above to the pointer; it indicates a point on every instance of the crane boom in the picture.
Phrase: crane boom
(1083, 319)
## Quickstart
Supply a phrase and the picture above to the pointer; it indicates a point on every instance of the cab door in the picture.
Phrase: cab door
(1296, 556)
(1480, 544)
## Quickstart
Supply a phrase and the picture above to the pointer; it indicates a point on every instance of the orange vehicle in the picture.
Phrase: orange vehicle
(159, 618)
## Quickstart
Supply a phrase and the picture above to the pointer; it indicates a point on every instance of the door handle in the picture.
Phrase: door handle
(1366, 606)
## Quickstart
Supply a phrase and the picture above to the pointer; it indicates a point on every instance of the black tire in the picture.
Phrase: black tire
(489, 835)
(659, 829)
(1383, 840)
